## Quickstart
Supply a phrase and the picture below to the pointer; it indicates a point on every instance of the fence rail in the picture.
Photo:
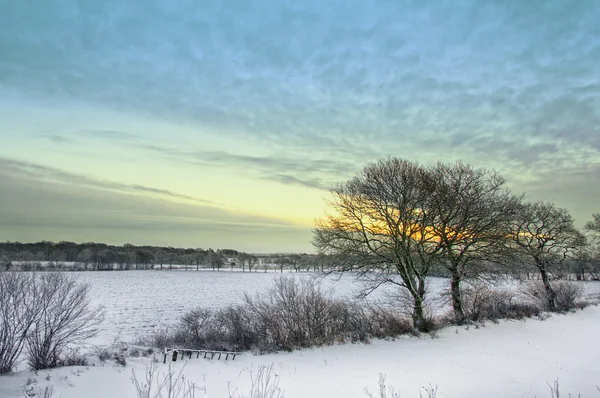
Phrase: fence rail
(210, 354)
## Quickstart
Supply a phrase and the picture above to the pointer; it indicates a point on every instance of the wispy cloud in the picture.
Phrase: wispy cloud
(32, 209)
(45, 173)
(293, 169)
(113, 135)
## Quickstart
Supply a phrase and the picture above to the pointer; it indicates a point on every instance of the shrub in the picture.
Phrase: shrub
(264, 384)
(169, 384)
(293, 314)
(31, 391)
(64, 317)
(19, 311)
(568, 295)
(385, 323)
(193, 324)
(385, 391)
(73, 358)
(482, 303)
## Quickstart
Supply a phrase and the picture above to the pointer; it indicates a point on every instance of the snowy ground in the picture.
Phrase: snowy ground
(509, 359)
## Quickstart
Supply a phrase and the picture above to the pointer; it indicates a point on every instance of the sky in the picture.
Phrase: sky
(223, 123)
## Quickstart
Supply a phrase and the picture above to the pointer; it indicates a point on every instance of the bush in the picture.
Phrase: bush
(170, 384)
(482, 303)
(384, 323)
(568, 295)
(293, 314)
(64, 317)
(19, 311)
(73, 358)
(43, 314)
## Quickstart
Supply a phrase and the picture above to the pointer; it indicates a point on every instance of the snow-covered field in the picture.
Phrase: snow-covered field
(138, 301)
(509, 359)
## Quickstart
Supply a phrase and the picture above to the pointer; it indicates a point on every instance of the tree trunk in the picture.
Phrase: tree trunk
(459, 314)
(418, 316)
(419, 322)
(550, 293)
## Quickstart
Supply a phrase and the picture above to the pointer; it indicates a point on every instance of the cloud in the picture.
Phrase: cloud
(44, 173)
(112, 135)
(32, 209)
(57, 139)
(316, 173)
(370, 76)
(325, 87)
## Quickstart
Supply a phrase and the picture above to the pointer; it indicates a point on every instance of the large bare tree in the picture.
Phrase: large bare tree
(546, 236)
(473, 212)
(379, 227)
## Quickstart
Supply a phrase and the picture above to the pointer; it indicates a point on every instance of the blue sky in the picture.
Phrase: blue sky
(223, 123)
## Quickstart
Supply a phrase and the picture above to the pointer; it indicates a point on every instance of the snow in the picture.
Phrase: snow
(511, 358)
(136, 302)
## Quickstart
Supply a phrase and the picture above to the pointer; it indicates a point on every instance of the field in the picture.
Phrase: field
(511, 358)
(138, 301)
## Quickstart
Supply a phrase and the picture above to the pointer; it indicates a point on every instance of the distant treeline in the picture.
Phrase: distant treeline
(100, 256)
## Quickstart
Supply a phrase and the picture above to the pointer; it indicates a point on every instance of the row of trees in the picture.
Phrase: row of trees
(98, 256)
(397, 221)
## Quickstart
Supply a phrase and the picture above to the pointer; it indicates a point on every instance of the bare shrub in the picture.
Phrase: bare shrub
(194, 322)
(383, 390)
(292, 314)
(430, 391)
(73, 358)
(568, 295)
(65, 317)
(167, 385)
(234, 330)
(483, 303)
(265, 384)
(19, 310)
(384, 322)
(480, 302)
(160, 338)
(38, 392)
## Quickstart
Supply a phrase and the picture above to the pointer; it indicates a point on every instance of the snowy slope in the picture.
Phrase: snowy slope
(509, 359)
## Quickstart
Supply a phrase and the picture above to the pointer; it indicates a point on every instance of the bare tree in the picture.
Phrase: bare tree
(282, 262)
(380, 228)
(473, 212)
(295, 260)
(545, 235)
(64, 317)
(199, 257)
(160, 257)
(247, 260)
